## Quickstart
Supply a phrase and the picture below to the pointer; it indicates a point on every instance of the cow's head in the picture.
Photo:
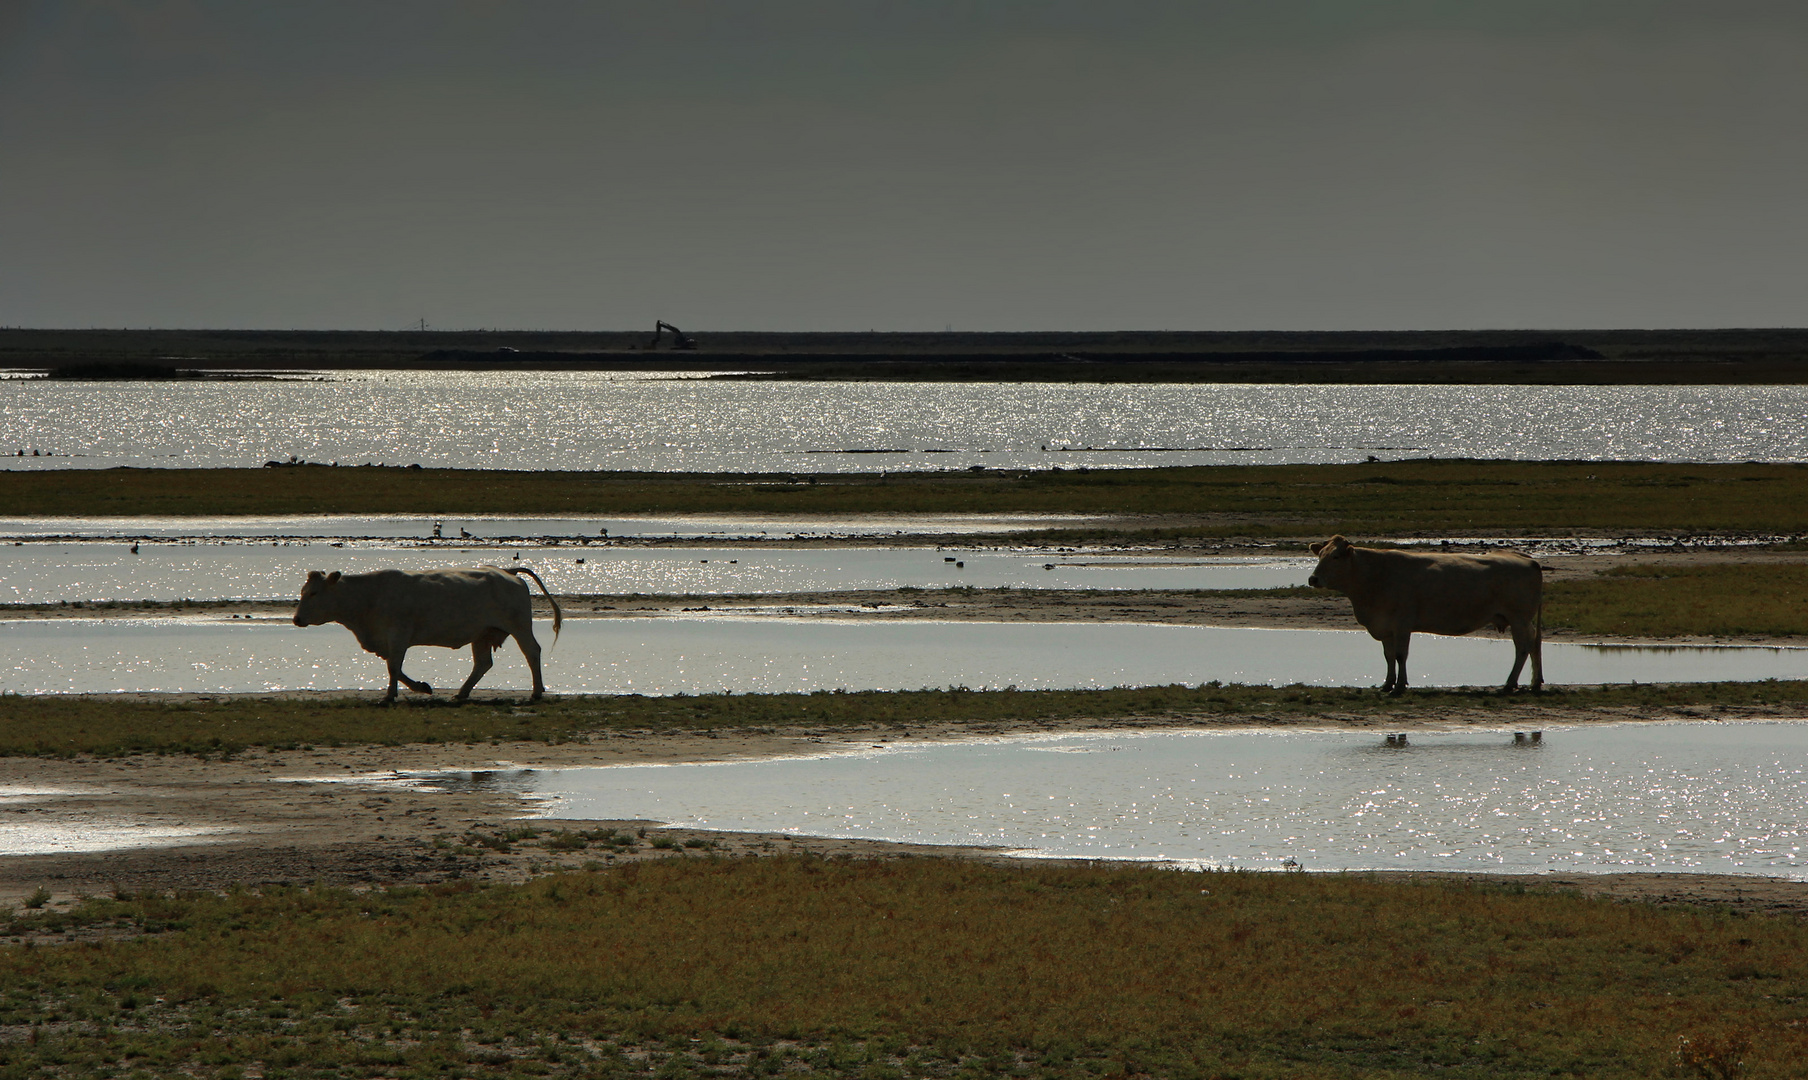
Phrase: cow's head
(316, 599)
(1334, 564)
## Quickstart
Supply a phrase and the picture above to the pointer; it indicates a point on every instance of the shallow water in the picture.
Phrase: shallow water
(496, 528)
(1723, 798)
(608, 420)
(708, 654)
(85, 834)
(36, 822)
(41, 572)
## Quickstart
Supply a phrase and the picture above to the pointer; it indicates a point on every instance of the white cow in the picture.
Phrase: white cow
(391, 610)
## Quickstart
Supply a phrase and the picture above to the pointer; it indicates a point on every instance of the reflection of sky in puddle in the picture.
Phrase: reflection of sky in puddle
(60, 836)
(1698, 797)
(42, 572)
(24, 793)
(774, 654)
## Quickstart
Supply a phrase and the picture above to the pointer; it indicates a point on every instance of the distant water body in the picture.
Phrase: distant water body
(628, 421)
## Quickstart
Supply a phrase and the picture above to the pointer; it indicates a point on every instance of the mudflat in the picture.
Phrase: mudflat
(340, 816)
(326, 815)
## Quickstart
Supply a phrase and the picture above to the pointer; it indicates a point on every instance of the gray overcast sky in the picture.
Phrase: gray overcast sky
(843, 165)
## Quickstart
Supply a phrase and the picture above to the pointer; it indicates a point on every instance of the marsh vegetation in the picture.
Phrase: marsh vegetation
(918, 967)
(1391, 499)
(35, 725)
(1731, 599)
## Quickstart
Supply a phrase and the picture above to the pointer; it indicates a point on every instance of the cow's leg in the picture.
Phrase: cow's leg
(1536, 648)
(1527, 642)
(480, 663)
(1399, 669)
(530, 648)
(1521, 650)
(396, 673)
(1387, 651)
(481, 655)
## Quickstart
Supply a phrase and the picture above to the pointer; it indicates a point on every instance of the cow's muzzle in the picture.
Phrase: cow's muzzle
(1312, 581)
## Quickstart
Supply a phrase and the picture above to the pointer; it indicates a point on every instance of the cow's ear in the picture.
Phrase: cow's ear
(315, 575)
(332, 577)
(1316, 548)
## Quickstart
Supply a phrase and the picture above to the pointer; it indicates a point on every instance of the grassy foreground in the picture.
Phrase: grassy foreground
(930, 967)
(1417, 498)
(66, 726)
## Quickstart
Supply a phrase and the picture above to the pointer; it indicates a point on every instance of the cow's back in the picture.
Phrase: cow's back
(449, 607)
(1447, 593)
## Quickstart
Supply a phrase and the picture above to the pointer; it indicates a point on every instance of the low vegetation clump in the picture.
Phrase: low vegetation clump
(930, 967)
(1713, 599)
(1418, 498)
(58, 726)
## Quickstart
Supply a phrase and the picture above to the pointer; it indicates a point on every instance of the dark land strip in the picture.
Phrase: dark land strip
(1582, 357)
(1419, 498)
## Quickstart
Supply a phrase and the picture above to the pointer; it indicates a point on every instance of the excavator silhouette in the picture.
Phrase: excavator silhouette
(680, 340)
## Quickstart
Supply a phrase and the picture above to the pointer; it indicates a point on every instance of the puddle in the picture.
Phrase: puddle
(16, 793)
(55, 837)
(708, 654)
(1721, 798)
(50, 572)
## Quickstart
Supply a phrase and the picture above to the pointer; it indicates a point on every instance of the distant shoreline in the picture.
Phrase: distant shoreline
(1494, 357)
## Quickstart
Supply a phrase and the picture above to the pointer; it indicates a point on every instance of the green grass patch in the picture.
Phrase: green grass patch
(1649, 600)
(51, 725)
(920, 967)
(1384, 499)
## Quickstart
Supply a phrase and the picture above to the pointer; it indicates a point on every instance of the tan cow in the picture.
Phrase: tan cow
(390, 611)
(1395, 593)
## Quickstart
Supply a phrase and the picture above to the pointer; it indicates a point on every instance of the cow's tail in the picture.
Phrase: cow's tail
(558, 617)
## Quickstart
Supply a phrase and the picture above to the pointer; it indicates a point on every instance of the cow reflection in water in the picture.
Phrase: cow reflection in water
(1395, 593)
(390, 611)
